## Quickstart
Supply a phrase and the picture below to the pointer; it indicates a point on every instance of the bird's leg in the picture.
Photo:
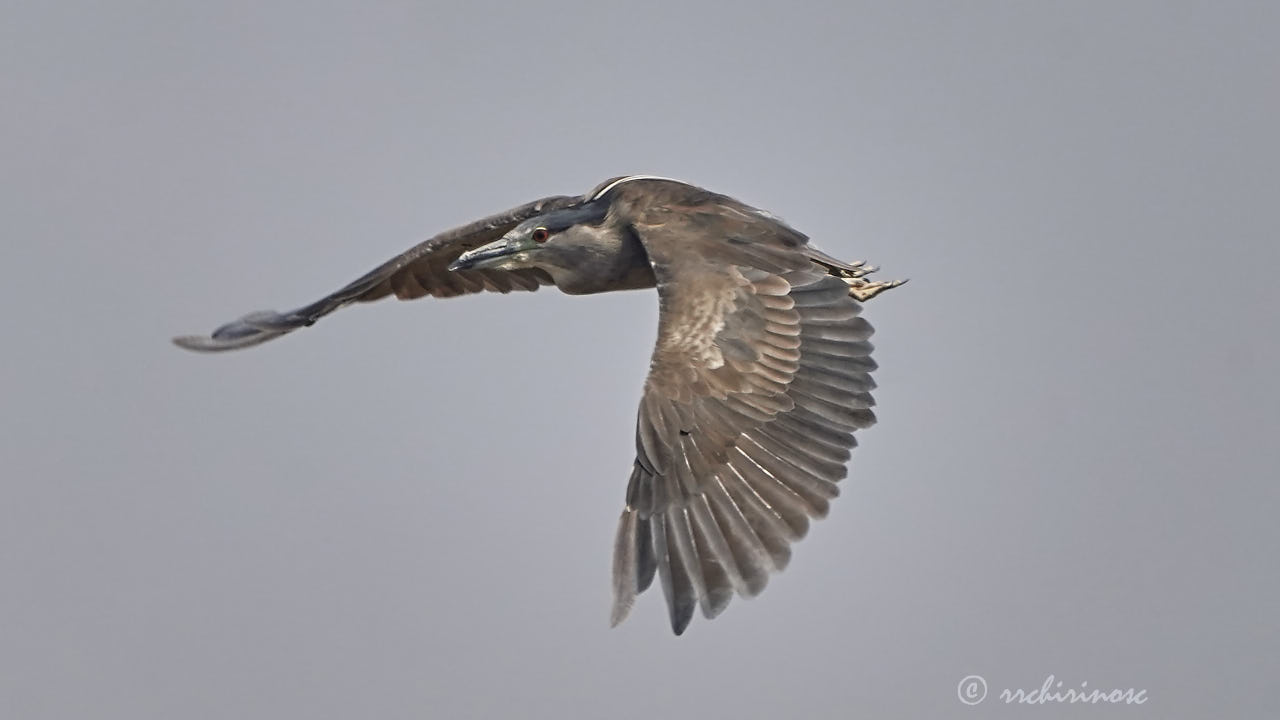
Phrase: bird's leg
(863, 289)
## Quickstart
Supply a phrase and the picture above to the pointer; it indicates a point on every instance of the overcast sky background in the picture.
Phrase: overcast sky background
(407, 511)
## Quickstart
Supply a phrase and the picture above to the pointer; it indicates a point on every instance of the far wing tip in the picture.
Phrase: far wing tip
(220, 342)
(195, 343)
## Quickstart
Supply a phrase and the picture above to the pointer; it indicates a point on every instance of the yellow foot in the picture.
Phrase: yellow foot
(864, 290)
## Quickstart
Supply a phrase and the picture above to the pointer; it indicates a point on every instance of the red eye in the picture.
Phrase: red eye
(540, 235)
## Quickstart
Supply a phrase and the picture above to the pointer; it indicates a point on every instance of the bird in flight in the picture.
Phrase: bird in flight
(760, 376)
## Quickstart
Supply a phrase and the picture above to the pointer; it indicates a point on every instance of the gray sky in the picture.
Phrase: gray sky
(407, 510)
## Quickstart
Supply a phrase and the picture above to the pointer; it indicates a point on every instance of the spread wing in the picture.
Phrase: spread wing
(758, 381)
(420, 271)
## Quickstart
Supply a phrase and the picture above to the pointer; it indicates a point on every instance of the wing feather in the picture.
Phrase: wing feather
(418, 272)
(758, 380)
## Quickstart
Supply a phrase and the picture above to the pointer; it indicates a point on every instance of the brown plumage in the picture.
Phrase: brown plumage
(760, 376)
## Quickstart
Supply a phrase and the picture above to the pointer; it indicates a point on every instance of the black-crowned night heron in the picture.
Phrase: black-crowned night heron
(760, 376)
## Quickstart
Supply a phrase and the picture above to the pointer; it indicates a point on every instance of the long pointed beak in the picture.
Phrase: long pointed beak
(488, 255)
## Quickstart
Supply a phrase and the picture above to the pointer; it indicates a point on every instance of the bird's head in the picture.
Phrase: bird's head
(568, 244)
